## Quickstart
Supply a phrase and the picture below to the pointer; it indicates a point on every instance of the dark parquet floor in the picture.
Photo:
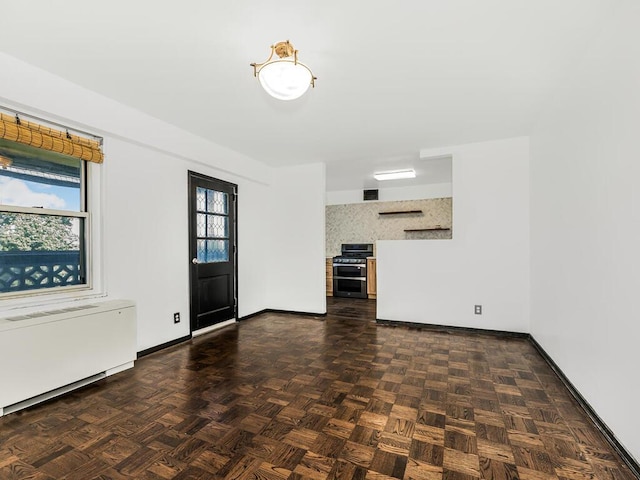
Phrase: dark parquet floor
(295, 397)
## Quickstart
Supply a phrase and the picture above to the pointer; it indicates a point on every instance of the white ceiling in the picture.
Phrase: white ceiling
(394, 77)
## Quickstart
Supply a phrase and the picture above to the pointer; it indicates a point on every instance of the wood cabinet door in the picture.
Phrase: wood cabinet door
(372, 278)
(329, 274)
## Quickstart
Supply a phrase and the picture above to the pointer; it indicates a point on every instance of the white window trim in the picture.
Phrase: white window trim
(44, 211)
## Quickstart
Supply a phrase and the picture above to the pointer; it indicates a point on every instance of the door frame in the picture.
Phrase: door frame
(191, 175)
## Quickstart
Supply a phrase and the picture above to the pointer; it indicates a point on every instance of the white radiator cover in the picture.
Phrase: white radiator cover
(44, 351)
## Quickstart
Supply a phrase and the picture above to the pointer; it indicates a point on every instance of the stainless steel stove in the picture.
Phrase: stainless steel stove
(350, 270)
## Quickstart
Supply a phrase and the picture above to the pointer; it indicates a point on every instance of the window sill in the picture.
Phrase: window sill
(27, 302)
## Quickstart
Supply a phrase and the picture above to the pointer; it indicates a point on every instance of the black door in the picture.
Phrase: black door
(212, 250)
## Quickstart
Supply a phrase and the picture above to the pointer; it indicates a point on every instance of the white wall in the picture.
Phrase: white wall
(147, 200)
(144, 200)
(296, 248)
(417, 192)
(486, 262)
(585, 226)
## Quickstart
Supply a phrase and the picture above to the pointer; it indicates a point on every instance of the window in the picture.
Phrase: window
(43, 219)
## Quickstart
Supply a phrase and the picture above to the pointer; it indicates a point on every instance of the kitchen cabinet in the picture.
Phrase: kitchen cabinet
(371, 278)
(329, 275)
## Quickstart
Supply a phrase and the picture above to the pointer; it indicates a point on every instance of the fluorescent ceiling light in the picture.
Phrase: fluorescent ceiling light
(395, 174)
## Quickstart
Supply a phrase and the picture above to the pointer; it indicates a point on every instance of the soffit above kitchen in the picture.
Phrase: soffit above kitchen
(358, 174)
(392, 77)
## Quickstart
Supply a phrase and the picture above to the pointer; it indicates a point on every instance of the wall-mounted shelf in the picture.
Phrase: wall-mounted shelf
(400, 212)
(428, 229)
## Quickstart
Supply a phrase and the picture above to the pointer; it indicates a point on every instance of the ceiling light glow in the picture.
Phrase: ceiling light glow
(395, 174)
(284, 78)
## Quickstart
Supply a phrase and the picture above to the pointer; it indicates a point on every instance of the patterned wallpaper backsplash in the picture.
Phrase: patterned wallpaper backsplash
(361, 222)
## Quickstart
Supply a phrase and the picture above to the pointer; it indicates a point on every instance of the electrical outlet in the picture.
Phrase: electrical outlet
(477, 309)
(176, 317)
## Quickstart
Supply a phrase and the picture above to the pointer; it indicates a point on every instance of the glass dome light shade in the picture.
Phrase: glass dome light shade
(285, 79)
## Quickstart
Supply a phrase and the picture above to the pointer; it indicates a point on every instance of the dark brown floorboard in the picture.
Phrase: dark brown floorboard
(295, 397)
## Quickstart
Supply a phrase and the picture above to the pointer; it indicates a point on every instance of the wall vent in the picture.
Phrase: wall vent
(370, 195)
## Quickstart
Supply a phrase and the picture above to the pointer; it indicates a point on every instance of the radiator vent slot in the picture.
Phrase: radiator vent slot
(49, 312)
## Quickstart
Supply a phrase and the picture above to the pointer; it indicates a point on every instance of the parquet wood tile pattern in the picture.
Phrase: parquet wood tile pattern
(295, 397)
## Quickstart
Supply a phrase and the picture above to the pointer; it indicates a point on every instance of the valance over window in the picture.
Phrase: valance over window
(30, 133)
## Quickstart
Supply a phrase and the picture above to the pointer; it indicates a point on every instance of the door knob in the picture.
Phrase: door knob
(195, 261)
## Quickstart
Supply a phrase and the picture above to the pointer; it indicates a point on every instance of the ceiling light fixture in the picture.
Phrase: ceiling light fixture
(395, 174)
(284, 78)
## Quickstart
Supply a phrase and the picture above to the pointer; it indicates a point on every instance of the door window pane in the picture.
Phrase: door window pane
(201, 199)
(201, 222)
(212, 251)
(217, 202)
(217, 226)
(212, 201)
(212, 226)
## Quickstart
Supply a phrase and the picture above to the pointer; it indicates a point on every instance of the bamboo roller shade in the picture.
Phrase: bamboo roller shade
(39, 136)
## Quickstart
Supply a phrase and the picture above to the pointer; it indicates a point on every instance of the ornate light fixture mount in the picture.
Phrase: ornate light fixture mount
(284, 77)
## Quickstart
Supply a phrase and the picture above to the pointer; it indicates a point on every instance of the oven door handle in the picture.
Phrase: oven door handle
(357, 265)
(360, 279)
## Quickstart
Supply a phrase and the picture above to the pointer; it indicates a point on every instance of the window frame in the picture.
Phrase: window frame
(85, 240)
